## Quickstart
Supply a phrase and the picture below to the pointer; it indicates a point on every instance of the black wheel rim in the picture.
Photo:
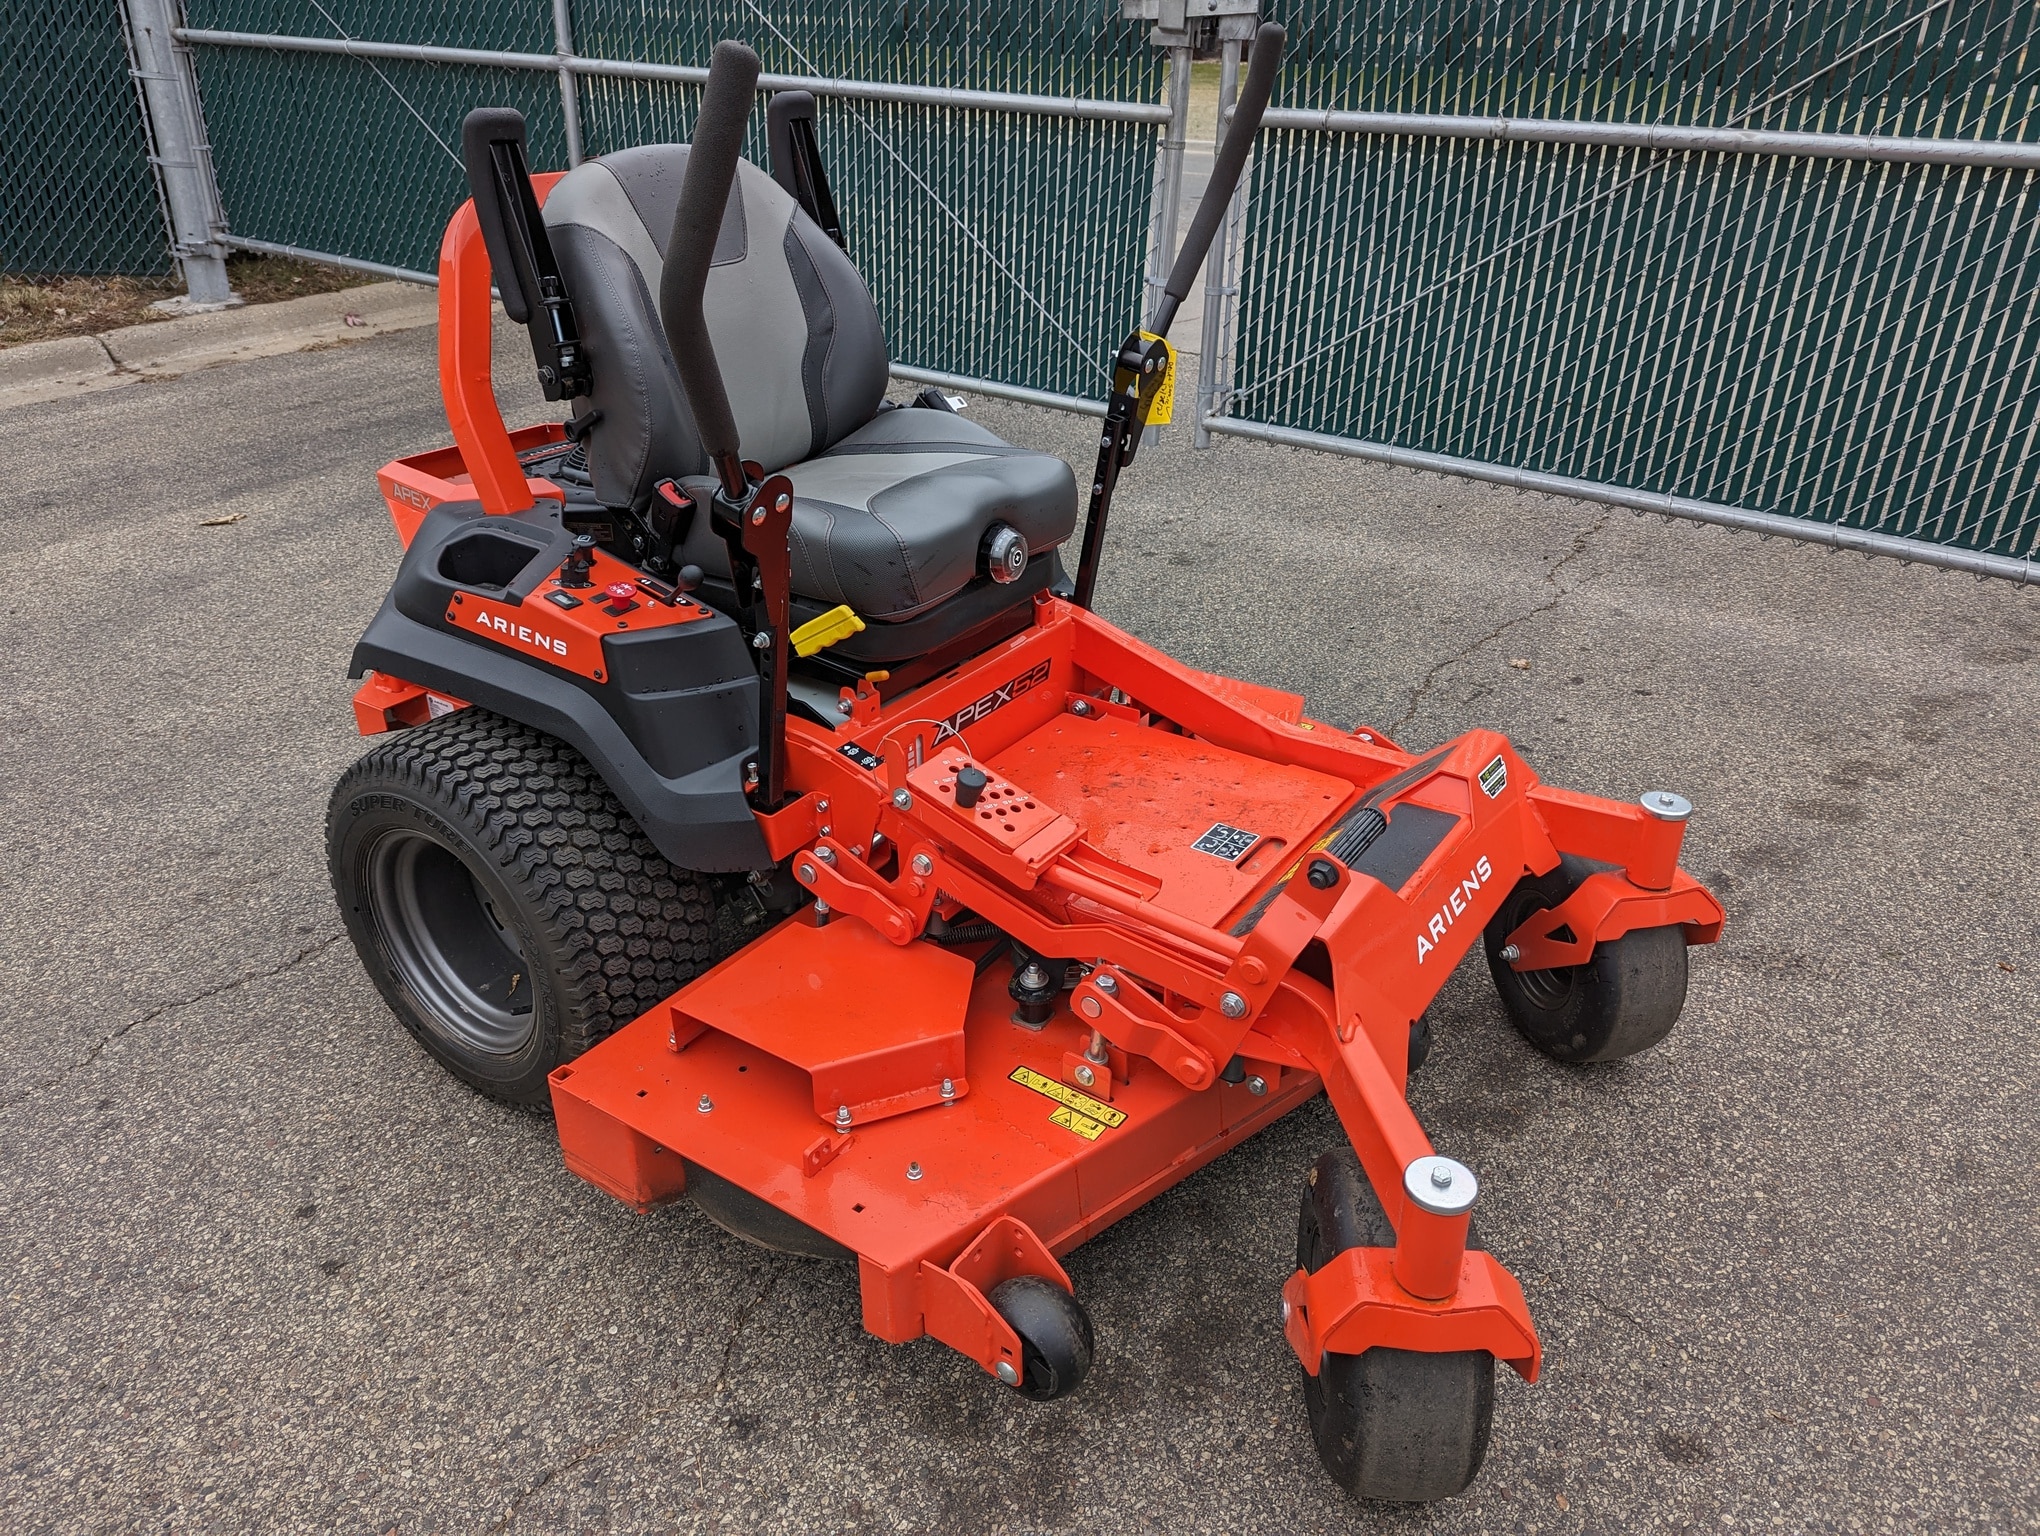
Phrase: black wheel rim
(1547, 990)
(445, 940)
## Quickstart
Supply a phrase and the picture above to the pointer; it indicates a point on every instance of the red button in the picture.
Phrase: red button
(620, 590)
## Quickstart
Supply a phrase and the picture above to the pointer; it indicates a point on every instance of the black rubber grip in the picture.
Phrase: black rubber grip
(1225, 171)
(704, 193)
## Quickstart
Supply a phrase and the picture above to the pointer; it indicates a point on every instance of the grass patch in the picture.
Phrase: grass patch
(44, 308)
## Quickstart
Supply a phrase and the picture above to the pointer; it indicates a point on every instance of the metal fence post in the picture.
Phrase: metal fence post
(1169, 170)
(1171, 31)
(178, 148)
(1221, 287)
(570, 91)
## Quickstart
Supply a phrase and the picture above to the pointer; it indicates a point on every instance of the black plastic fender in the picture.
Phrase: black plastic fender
(669, 729)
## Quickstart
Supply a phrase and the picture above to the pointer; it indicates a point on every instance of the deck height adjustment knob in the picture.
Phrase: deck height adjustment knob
(970, 783)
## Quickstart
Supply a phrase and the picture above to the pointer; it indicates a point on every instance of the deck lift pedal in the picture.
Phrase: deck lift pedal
(1044, 920)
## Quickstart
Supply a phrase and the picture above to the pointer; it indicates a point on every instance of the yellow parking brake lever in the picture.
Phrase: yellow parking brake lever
(839, 623)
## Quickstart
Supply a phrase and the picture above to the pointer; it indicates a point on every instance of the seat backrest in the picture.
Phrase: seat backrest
(795, 331)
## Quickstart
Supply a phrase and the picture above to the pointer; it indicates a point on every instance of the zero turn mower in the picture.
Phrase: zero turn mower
(1047, 921)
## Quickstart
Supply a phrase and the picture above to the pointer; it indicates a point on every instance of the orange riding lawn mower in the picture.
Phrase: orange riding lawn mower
(1021, 922)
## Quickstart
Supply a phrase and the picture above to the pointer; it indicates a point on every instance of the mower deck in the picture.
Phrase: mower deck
(1016, 1140)
(879, 1088)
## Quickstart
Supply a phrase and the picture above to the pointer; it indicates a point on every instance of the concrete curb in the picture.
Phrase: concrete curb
(163, 349)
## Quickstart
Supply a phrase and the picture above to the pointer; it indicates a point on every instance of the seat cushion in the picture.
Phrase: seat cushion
(892, 518)
(795, 333)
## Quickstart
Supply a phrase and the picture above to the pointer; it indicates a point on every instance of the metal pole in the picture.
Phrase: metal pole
(178, 149)
(1169, 179)
(1221, 294)
(570, 95)
(687, 74)
(2003, 154)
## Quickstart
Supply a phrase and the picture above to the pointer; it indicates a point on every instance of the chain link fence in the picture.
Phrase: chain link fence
(1003, 244)
(1767, 266)
(78, 196)
(1819, 330)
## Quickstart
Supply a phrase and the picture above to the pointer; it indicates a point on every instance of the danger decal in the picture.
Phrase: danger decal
(1090, 1118)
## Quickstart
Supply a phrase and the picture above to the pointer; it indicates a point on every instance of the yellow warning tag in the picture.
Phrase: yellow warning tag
(1083, 1125)
(1164, 403)
(1104, 1116)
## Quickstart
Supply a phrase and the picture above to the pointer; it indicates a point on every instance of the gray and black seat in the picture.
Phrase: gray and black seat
(892, 506)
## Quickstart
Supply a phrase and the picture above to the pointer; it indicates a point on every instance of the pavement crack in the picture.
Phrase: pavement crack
(1559, 595)
(1614, 1311)
(246, 979)
(593, 1448)
(743, 1318)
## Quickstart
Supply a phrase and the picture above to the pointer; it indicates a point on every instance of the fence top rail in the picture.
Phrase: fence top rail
(688, 74)
(1662, 136)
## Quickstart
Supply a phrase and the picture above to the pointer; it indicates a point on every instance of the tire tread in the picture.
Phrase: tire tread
(624, 927)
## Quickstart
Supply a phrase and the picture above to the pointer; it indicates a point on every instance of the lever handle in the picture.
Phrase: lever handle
(697, 221)
(1225, 173)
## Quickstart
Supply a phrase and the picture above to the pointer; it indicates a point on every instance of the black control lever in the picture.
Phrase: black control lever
(1225, 173)
(697, 221)
(754, 519)
(1141, 364)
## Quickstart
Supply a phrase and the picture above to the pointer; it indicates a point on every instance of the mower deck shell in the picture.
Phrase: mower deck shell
(1003, 1149)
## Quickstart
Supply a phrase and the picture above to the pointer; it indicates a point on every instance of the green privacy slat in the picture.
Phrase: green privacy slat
(998, 246)
(328, 154)
(1850, 343)
(78, 195)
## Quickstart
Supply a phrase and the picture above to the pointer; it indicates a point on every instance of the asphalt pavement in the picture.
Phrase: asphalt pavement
(269, 1269)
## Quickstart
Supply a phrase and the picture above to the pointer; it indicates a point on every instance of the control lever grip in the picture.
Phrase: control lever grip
(1225, 173)
(697, 221)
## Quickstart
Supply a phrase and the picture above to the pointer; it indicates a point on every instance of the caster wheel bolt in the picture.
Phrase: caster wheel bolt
(1007, 1374)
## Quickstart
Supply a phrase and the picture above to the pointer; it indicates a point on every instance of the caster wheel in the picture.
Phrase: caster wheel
(1420, 1043)
(1055, 1336)
(1625, 999)
(1401, 1425)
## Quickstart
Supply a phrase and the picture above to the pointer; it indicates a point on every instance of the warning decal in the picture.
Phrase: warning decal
(1080, 1112)
(1083, 1125)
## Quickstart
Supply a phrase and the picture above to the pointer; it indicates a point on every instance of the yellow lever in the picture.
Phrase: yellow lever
(839, 623)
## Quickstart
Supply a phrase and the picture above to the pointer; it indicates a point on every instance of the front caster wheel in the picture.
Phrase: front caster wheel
(1055, 1335)
(1625, 999)
(1394, 1424)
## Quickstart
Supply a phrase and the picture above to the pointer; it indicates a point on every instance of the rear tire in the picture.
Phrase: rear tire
(1406, 1426)
(1625, 999)
(506, 906)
